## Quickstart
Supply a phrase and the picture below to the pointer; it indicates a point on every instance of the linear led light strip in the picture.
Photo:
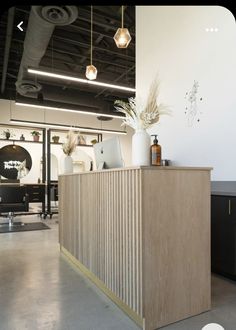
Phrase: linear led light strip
(79, 80)
(74, 128)
(67, 110)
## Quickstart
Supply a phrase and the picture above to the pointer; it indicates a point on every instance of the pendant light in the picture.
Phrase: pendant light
(91, 71)
(122, 37)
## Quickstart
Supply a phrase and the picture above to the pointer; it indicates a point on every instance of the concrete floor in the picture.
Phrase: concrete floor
(39, 290)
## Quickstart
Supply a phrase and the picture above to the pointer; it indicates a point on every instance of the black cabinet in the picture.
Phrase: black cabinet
(223, 235)
(36, 194)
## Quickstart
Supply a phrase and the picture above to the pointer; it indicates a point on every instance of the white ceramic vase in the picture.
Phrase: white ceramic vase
(141, 148)
(68, 164)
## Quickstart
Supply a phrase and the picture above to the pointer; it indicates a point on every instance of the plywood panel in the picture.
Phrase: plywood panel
(176, 246)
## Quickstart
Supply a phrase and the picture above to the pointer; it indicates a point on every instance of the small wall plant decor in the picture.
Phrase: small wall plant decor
(7, 134)
(94, 141)
(36, 135)
(55, 138)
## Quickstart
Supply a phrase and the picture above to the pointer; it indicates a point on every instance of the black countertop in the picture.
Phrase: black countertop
(223, 188)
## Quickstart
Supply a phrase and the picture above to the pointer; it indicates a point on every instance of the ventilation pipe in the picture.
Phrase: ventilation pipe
(10, 22)
(41, 24)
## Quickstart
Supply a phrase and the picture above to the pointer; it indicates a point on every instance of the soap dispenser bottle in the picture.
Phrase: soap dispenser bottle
(155, 152)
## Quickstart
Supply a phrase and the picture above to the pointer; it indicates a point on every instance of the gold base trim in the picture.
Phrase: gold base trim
(134, 316)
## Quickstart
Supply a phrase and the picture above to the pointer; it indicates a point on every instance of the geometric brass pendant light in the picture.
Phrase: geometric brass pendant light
(91, 71)
(122, 37)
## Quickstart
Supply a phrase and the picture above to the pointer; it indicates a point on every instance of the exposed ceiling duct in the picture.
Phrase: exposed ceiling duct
(10, 22)
(41, 24)
(46, 44)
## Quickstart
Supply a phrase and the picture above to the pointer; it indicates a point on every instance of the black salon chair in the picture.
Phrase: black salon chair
(13, 198)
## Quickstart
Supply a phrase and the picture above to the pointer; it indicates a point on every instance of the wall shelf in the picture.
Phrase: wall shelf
(84, 145)
(39, 189)
(78, 145)
(45, 140)
(15, 140)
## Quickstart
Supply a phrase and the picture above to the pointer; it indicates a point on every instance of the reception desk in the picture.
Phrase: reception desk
(142, 235)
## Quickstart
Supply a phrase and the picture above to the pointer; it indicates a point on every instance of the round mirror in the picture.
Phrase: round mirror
(15, 162)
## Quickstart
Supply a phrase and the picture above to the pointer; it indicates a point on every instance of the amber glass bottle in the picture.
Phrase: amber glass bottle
(155, 152)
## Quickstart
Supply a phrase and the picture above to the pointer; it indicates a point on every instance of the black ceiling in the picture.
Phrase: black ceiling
(68, 52)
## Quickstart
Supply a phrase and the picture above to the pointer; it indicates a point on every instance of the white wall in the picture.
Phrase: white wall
(9, 110)
(171, 41)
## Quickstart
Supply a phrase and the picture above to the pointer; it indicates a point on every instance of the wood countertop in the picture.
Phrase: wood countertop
(154, 168)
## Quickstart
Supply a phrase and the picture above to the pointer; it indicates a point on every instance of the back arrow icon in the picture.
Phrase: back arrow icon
(19, 26)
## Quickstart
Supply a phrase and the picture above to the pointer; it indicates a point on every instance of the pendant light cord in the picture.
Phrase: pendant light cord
(10, 111)
(91, 53)
(122, 17)
(52, 55)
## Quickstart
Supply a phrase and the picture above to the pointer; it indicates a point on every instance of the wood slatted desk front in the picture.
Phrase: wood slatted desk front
(142, 234)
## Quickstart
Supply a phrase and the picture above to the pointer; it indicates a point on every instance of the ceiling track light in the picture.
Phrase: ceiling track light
(122, 36)
(91, 70)
(79, 80)
(60, 126)
(46, 107)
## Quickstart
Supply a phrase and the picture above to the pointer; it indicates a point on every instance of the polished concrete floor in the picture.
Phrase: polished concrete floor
(39, 290)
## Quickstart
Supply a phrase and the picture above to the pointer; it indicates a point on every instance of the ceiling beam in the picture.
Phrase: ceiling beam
(117, 79)
(62, 61)
(97, 59)
(103, 25)
(70, 50)
(115, 20)
(77, 54)
(85, 45)
(97, 48)
(10, 22)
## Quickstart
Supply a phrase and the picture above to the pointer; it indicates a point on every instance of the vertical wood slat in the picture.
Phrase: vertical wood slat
(100, 228)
